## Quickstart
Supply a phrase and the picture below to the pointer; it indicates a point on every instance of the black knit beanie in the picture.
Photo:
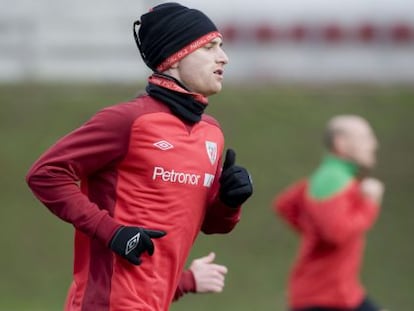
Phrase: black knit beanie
(169, 32)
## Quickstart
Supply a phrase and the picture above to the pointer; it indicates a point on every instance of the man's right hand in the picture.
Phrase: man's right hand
(131, 242)
(373, 189)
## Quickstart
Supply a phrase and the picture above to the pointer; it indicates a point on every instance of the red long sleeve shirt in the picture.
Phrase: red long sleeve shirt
(133, 164)
(326, 270)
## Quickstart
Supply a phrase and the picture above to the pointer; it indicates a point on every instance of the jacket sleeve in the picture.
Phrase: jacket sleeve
(348, 215)
(55, 177)
(186, 285)
(219, 217)
(287, 204)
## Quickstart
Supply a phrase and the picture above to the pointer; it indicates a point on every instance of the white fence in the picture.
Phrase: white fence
(92, 40)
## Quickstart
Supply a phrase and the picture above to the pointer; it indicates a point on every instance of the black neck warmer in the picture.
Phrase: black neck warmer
(185, 105)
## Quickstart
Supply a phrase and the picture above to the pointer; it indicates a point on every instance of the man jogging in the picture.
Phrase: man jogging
(332, 210)
(140, 179)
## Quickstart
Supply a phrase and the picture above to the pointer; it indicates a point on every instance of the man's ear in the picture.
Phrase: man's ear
(339, 145)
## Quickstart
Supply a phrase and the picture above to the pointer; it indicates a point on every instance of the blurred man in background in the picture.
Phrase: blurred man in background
(147, 174)
(332, 210)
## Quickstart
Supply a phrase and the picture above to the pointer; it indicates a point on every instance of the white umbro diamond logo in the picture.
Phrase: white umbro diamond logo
(132, 243)
(163, 145)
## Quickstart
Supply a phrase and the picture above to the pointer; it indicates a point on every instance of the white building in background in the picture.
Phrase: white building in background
(267, 40)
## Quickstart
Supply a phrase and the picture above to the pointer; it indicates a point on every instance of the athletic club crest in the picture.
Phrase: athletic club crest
(211, 148)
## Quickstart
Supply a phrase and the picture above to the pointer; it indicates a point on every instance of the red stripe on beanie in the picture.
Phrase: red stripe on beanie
(167, 63)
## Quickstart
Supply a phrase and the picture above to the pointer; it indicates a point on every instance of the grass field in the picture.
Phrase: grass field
(276, 133)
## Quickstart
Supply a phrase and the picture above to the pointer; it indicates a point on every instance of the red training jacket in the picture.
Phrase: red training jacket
(326, 271)
(133, 164)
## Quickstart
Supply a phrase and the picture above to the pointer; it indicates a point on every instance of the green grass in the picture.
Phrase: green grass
(276, 133)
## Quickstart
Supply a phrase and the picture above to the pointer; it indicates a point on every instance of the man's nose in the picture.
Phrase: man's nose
(222, 57)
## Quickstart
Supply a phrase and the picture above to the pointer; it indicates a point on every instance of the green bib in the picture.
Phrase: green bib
(331, 177)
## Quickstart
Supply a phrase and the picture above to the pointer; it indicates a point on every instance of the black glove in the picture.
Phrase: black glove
(235, 182)
(131, 242)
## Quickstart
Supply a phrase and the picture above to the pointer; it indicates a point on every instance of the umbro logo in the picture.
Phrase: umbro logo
(163, 145)
(132, 243)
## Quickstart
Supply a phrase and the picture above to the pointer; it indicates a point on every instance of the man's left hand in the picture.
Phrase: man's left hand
(235, 182)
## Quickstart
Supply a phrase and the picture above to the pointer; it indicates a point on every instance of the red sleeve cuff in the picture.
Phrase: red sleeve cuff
(186, 285)
(187, 282)
(106, 229)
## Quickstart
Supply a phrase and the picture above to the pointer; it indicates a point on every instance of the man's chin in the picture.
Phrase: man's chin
(212, 91)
